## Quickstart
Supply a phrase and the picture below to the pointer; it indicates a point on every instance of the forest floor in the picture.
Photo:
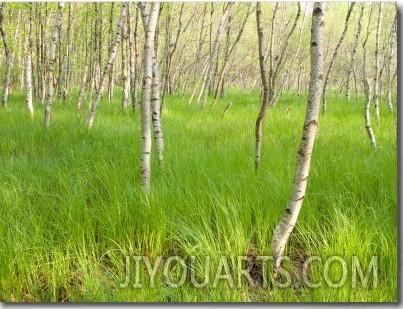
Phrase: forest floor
(74, 220)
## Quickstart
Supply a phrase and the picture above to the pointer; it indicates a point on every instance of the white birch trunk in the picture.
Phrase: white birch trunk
(367, 115)
(156, 115)
(111, 60)
(28, 84)
(376, 74)
(353, 53)
(287, 223)
(367, 91)
(52, 58)
(125, 69)
(392, 44)
(149, 23)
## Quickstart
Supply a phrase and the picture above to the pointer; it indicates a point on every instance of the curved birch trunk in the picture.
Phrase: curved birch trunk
(286, 225)
(149, 24)
(376, 74)
(6, 89)
(329, 70)
(52, 59)
(367, 91)
(353, 53)
(111, 60)
(265, 81)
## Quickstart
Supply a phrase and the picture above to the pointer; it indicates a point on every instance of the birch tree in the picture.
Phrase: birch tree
(111, 60)
(392, 44)
(213, 53)
(52, 59)
(367, 90)
(149, 24)
(6, 86)
(28, 66)
(329, 70)
(230, 52)
(275, 65)
(303, 160)
(376, 73)
(353, 53)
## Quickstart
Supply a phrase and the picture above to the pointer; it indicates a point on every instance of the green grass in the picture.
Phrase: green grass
(72, 209)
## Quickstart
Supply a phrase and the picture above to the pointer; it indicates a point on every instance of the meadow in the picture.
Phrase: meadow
(73, 212)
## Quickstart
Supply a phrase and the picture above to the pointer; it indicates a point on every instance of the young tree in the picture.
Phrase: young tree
(303, 161)
(367, 89)
(269, 80)
(392, 44)
(353, 53)
(149, 24)
(329, 70)
(28, 65)
(230, 51)
(111, 60)
(376, 73)
(213, 53)
(52, 59)
(7, 52)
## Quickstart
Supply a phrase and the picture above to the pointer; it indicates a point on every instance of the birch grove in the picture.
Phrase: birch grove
(111, 60)
(303, 161)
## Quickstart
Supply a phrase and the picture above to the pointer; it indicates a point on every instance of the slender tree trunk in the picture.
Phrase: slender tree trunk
(376, 73)
(125, 69)
(229, 53)
(52, 58)
(265, 82)
(111, 82)
(303, 161)
(82, 88)
(275, 65)
(111, 60)
(155, 109)
(137, 61)
(220, 32)
(353, 53)
(392, 45)
(329, 70)
(6, 86)
(149, 23)
(28, 83)
(367, 90)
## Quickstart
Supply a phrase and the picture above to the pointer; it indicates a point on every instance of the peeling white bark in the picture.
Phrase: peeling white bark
(287, 223)
(149, 24)
(52, 59)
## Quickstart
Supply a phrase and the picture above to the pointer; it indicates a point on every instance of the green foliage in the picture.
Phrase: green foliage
(72, 209)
